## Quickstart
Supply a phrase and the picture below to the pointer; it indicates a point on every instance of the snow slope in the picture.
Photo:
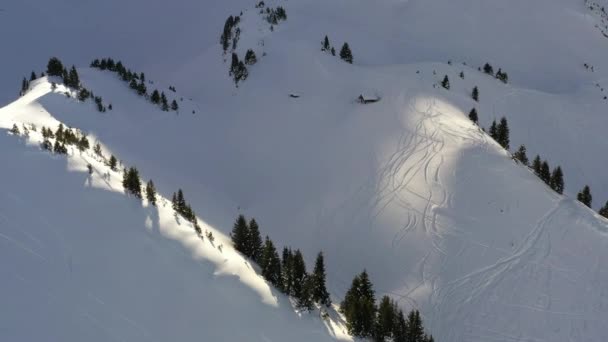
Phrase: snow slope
(82, 261)
(441, 216)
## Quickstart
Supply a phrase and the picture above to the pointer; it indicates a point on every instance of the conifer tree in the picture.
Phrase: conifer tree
(151, 193)
(271, 264)
(557, 180)
(359, 307)
(400, 328)
(536, 165)
(131, 182)
(503, 133)
(250, 58)
(415, 328)
(320, 294)
(604, 210)
(83, 143)
(240, 234)
(96, 149)
(584, 196)
(521, 156)
(254, 242)
(234, 64)
(325, 45)
(174, 106)
(299, 273)
(305, 300)
(15, 130)
(24, 86)
(475, 94)
(346, 54)
(155, 97)
(473, 116)
(446, 82)
(181, 202)
(287, 267)
(73, 80)
(227, 33)
(59, 147)
(113, 163)
(386, 321)
(163, 101)
(487, 68)
(545, 172)
(494, 131)
(333, 51)
(54, 67)
(33, 76)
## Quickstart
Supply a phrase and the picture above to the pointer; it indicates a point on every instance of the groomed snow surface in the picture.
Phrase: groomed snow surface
(442, 218)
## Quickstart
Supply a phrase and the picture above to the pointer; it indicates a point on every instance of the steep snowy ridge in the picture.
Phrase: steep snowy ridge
(89, 263)
(441, 216)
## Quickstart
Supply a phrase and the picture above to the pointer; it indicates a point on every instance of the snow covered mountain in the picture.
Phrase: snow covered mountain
(439, 214)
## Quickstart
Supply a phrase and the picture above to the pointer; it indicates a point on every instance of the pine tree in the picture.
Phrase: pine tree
(234, 64)
(461, 75)
(473, 116)
(155, 97)
(271, 264)
(346, 54)
(59, 148)
(521, 156)
(227, 33)
(83, 94)
(545, 172)
(83, 143)
(33, 76)
(151, 193)
(333, 51)
(287, 266)
(320, 294)
(254, 242)
(386, 321)
(415, 329)
(174, 106)
(250, 58)
(325, 45)
(163, 101)
(604, 210)
(536, 165)
(503, 133)
(131, 182)
(400, 328)
(557, 180)
(584, 196)
(494, 131)
(113, 163)
(54, 67)
(446, 82)
(73, 80)
(299, 273)
(475, 94)
(359, 307)
(487, 68)
(240, 234)
(25, 85)
(181, 202)
(305, 300)
(96, 149)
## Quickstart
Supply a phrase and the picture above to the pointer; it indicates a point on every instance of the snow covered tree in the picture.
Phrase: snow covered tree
(151, 193)
(15, 130)
(254, 241)
(250, 58)
(446, 82)
(584, 196)
(346, 54)
(54, 67)
(59, 147)
(96, 149)
(240, 234)
(320, 294)
(113, 163)
(520, 155)
(557, 180)
(473, 116)
(83, 144)
(475, 94)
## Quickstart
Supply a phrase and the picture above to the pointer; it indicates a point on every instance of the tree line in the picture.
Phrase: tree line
(136, 81)
(345, 52)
